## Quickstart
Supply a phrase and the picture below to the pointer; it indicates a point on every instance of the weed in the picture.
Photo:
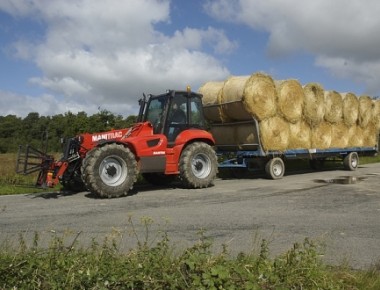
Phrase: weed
(152, 265)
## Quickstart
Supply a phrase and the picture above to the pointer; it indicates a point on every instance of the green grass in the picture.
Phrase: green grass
(12, 183)
(368, 159)
(155, 263)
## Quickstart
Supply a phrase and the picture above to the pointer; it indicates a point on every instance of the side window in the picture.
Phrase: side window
(154, 111)
(177, 117)
(178, 110)
(196, 112)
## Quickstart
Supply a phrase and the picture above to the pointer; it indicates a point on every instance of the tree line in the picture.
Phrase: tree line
(35, 130)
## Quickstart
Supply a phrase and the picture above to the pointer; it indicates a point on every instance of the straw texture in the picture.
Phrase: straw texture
(260, 96)
(290, 100)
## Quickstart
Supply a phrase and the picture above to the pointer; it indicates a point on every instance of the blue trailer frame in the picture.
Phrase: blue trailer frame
(242, 157)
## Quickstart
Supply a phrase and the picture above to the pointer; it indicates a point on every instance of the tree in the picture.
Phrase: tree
(35, 130)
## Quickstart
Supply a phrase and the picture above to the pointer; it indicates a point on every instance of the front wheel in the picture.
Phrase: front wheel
(110, 171)
(351, 161)
(198, 165)
(275, 168)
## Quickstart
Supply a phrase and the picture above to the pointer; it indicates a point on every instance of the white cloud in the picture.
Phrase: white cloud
(107, 53)
(195, 38)
(367, 72)
(335, 32)
(22, 105)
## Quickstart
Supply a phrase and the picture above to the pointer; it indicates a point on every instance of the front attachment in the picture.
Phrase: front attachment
(30, 160)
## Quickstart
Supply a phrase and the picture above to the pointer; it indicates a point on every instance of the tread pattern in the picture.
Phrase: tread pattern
(90, 170)
(185, 166)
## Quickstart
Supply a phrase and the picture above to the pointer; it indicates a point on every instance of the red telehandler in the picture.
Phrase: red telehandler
(168, 141)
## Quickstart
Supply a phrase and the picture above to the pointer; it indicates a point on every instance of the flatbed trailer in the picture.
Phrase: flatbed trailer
(238, 154)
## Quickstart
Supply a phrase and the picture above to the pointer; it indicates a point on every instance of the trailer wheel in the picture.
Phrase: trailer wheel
(198, 165)
(159, 179)
(351, 161)
(275, 168)
(110, 171)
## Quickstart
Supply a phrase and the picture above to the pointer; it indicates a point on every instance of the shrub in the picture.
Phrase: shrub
(153, 265)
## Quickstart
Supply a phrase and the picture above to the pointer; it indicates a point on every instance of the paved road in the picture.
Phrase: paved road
(236, 212)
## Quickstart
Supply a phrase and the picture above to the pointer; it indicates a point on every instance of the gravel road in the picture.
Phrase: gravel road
(339, 209)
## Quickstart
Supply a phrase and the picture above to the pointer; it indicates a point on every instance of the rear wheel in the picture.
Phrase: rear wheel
(275, 168)
(351, 161)
(110, 171)
(198, 165)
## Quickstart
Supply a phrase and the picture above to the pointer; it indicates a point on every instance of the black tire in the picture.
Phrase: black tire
(198, 165)
(159, 179)
(85, 160)
(275, 168)
(351, 161)
(110, 170)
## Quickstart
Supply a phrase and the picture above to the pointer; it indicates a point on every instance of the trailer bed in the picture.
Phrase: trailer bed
(236, 152)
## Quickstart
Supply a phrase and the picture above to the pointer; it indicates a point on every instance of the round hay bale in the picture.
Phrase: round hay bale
(321, 136)
(231, 98)
(300, 135)
(365, 110)
(212, 92)
(233, 89)
(313, 109)
(259, 96)
(376, 114)
(350, 109)
(356, 136)
(339, 135)
(274, 133)
(333, 107)
(290, 100)
(370, 135)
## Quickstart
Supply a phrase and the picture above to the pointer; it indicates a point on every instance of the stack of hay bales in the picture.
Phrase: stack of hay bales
(376, 114)
(290, 116)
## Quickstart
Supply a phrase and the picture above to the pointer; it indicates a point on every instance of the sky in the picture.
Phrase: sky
(90, 55)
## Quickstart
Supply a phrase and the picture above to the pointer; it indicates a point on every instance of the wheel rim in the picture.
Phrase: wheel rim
(201, 165)
(277, 169)
(113, 170)
(354, 162)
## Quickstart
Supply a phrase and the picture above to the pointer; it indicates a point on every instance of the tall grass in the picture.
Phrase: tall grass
(159, 265)
(12, 183)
